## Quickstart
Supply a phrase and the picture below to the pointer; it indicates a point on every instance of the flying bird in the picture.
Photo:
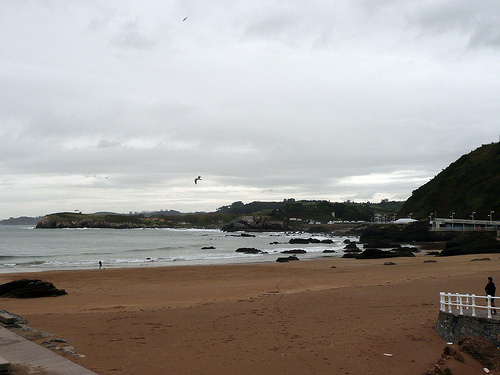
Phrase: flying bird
(197, 179)
(184, 19)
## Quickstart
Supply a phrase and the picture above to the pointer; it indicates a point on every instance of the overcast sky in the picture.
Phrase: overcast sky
(119, 105)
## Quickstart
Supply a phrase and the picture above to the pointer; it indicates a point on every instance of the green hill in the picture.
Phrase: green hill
(470, 184)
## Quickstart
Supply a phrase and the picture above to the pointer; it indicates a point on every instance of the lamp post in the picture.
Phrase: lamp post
(452, 214)
(491, 215)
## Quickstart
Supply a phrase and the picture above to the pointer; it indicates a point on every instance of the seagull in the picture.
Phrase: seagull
(184, 19)
(196, 180)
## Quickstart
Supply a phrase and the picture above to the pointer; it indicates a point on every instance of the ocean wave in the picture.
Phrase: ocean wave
(23, 264)
(97, 253)
(7, 257)
(2, 257)
(164, 248)
(78, 229)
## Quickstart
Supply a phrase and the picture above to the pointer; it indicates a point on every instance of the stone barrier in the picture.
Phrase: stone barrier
(453, 327)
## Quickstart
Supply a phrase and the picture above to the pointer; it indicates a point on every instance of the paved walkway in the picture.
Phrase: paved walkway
(480, 313)
(17, 349)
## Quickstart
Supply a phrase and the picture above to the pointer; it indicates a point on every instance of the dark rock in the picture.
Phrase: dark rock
(381, 244)
(349, 255)
(248, 250)
(407, 248)
(18, 319)
(329, 251)
(246, 235)
(430, 261)
(356, 250)
(26, 288)
(474, 242)
(351, 245)
(253, 223)
(416, 231)
(56, 339)
(294, 251)
(287, 259)
(389, 264)
(378, 254)
(352, 248)
(482, 350)
(436, 253)
(451, 351)
(208, 248)
(333, 267)
(303, 240)
(480, 259)
(347, 241)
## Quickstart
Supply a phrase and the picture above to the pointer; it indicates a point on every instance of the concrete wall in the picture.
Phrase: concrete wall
(453, 327)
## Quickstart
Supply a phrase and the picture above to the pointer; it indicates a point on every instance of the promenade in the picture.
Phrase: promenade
(18, 350)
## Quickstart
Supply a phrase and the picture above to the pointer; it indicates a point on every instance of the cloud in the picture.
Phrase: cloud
(105, 143)
(130, 35)
(476, 23)
(266, 100)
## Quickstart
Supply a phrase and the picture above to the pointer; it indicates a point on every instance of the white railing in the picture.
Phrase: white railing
(467, 304)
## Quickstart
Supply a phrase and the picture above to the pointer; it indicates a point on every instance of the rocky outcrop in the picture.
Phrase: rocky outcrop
(308, 240)
(26, 288)
(294, 251)
(416, 231)
(249, 250)
(287, 259)
(381, 254)
(462, 357)
(472, 243)
(253, 223)
(381, 243)
(482, 350)
(65, 220)
(351, 247)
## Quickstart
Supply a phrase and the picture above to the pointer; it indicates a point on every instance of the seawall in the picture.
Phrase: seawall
(453, 327)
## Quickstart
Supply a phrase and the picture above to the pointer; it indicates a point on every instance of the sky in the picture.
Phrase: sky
(119, 105)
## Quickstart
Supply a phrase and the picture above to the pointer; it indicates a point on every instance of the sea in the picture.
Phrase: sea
(24, 248)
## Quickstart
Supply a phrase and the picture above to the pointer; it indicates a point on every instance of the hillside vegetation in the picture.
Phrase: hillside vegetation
(277, 212)
(470, 184)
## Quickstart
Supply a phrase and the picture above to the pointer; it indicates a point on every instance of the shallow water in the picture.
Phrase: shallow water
(24, 248)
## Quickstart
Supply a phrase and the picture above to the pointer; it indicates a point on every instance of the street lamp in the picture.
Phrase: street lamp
(452, 215)
(472, 216)
(491, 215)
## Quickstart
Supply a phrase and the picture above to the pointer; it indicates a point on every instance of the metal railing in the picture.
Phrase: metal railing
(467, 304)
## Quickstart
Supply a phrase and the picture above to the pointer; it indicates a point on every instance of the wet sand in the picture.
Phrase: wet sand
(361, 317)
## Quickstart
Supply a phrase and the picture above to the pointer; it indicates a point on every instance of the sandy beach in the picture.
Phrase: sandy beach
(327, 316)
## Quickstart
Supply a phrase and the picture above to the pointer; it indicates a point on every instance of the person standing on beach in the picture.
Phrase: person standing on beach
(100, 264)
(490, 289)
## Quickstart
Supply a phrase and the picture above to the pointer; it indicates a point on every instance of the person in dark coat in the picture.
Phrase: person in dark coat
(490, 290)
